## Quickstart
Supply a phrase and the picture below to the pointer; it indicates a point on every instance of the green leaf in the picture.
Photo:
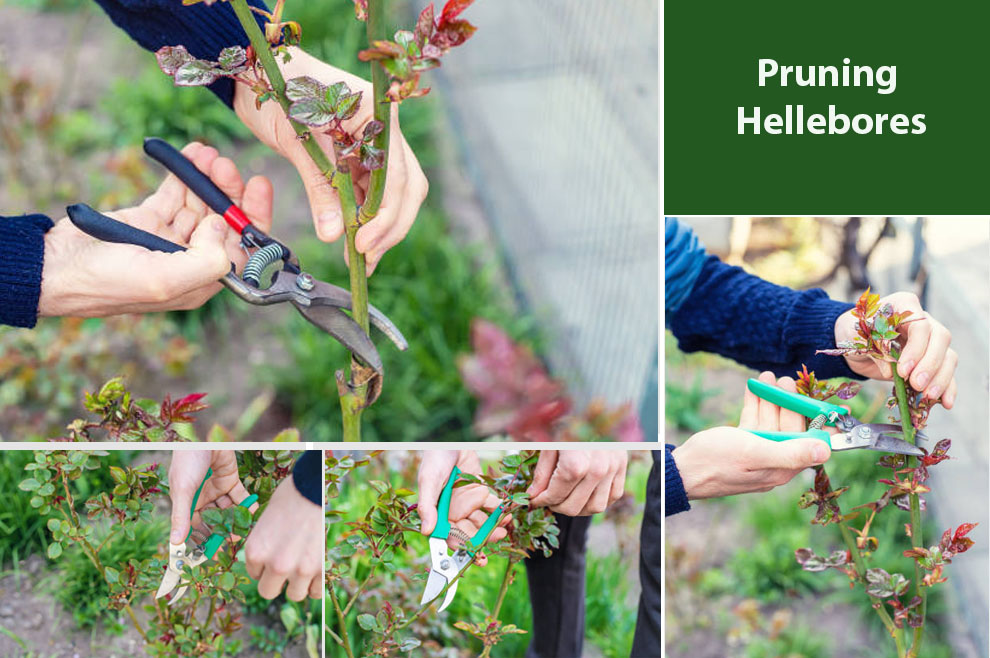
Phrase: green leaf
(289, 435)
(112, 575)
(196, 73)
(53, 525)
(303, 88)
(47, 489)
(171, 58)
(227, 581)
(54, 550)
(233, 59)
(289, 614)
(312, 112)
(367, 622)
(29, 484)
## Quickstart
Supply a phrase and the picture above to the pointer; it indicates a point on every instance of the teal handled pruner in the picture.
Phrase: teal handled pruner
(445, 567)
(852, 434)
(179, 559)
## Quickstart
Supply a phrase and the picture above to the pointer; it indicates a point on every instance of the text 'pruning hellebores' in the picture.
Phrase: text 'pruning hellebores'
(796, 120)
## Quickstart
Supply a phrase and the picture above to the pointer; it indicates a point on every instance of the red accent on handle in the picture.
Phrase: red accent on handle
(236, 218)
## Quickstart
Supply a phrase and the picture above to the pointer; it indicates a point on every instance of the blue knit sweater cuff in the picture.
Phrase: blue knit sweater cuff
(203, 30)
(811, 322)
(22, 258)
(675, 499)
(307, 476)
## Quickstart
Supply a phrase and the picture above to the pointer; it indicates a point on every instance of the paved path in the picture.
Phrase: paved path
(555, 104)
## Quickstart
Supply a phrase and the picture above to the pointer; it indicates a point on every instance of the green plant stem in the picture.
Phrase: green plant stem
(341, 623)
(503, 588)
(917, 541)
(376, 31)
(860, 566)
(359, 591)
(357, 390)
(426, 606)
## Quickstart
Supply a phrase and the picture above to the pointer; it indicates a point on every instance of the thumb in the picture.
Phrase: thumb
(545, 466)
(797, 454)
(181, 510)
(206, 259)
(434, 470)
(328, 219)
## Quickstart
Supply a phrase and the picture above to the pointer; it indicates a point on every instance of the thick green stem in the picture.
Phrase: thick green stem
(917, 541)
(341, 623)
(354, 397)
(376, 31)
(506, 579)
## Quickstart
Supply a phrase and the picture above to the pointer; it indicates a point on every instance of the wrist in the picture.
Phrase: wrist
(53, 280)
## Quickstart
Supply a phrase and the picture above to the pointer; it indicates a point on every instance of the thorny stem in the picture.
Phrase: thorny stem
(343, 640)
(353, 398)
(510, 565)
(907, 427)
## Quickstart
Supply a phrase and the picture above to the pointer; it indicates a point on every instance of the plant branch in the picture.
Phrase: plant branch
(917, 541)
(376, 31)
(344, 640)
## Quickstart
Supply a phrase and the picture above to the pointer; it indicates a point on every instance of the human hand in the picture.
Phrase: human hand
(86, 277)
(185, 474)
(470, 504)
(405, 187)
(578, 482)
(724, 461)
(285, 548)
(926, 360)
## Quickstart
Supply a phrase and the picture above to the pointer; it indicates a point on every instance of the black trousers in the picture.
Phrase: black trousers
(557, 584)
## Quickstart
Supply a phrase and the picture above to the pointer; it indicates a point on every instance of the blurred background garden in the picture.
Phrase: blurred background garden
(533, 222)
(612, 576)
(54, 602)
(732, 583)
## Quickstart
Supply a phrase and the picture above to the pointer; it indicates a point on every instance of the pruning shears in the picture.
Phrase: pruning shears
(853, 434)
(179, 558)
(444, 566)
(319, 302)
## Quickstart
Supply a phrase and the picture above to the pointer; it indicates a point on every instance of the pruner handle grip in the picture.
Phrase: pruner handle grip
(215, 541)
(109, 229)
(442, 529)
(484, 531)
(787, 436)
(802, 404)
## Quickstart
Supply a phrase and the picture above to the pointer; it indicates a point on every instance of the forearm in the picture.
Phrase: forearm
(22, 257)
(757, 323)
(203, 30)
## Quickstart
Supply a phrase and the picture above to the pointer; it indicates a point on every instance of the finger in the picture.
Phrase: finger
(598, 502)
(181, 510)
(271, 582)
(257, 202)
(298, 588)
(324, 203)
(224, 173)
(545, 465)
(203, 263)
(917, 333)
(579, 497)
(949, 399)
(433, 473)
(928, 366)
(790, 421)
(750, 417)
(203, 160)
(769, 413)
(619, 483)
(793, 455)
(940, 383)
(569, 474)
(316, 588)
(171, 194)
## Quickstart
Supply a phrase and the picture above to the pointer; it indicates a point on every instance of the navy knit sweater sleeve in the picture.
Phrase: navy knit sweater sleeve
(203, 30)
(22, 252)
(675, 499)
(307, 475)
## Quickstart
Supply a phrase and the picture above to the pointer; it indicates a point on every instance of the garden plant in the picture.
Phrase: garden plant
(94, 529)
(365, 558)
(310, 105)
(900, 600)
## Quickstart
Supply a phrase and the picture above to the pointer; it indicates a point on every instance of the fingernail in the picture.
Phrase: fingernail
(906, 367)
(922, 380)
(820, 454)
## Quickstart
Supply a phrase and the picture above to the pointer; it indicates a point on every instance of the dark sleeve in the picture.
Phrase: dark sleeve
(675, 499)
(759, 324)
(22, 257)
(203, 30)
(307, 476)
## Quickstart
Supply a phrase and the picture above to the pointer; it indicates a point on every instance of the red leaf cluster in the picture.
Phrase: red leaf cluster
(812, 387)
(907, 613)
(822, 496)
(878, 329)
(182, 409)
(516, 395)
